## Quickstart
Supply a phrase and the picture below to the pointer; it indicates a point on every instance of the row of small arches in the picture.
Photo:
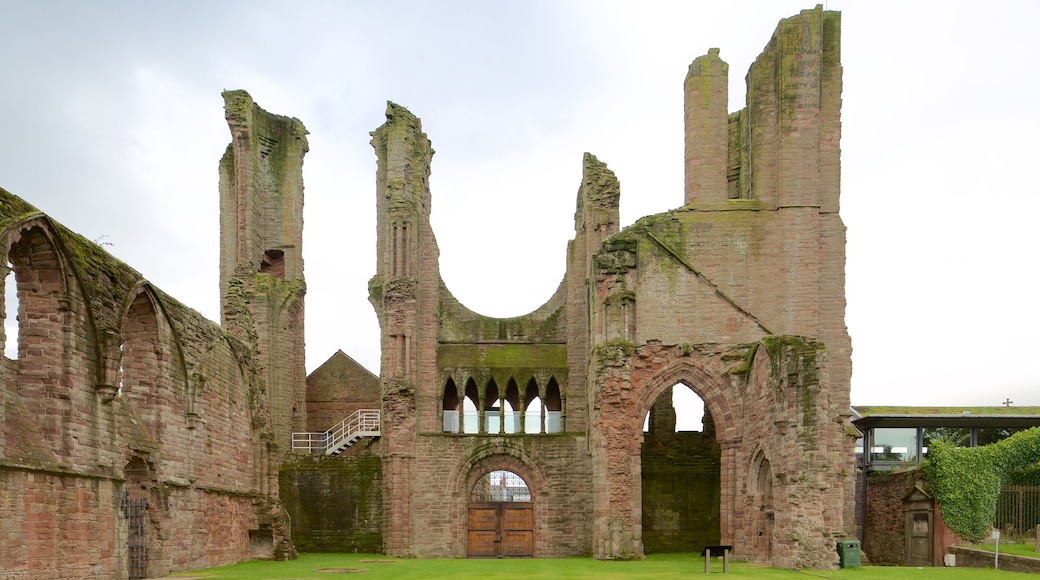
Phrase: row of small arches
(494, 411)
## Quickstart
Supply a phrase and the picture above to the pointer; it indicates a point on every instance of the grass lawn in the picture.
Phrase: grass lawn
(1018, 549)
(332, 566)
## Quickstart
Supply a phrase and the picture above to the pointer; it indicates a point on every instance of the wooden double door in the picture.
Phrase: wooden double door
(501, 529)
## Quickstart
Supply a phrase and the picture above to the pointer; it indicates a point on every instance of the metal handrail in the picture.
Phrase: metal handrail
(361, 423)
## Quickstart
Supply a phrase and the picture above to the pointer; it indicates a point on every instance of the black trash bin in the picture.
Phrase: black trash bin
(848, 553)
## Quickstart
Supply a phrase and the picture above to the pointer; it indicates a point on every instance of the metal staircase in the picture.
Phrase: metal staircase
(362, 423)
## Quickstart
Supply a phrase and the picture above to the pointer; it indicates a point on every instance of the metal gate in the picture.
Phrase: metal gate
(134, 511)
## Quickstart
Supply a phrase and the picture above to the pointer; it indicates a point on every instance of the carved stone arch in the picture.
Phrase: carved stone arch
(178, 362)
(450, 404)
(706, 376)
(505, 454)
(56, 379)
(152, 358)
(703, 375)
(104, 342)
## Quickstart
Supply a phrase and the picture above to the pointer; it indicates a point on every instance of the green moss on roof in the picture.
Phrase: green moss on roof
(897, 410)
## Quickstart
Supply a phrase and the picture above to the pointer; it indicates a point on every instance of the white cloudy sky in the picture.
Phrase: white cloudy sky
(111, 121)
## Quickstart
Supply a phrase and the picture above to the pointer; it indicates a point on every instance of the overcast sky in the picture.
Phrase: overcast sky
(112, 123)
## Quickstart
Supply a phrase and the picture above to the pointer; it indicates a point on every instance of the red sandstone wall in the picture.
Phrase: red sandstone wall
(116, 388)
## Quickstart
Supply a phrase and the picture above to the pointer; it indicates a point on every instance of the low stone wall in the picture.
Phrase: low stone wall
(973, 558)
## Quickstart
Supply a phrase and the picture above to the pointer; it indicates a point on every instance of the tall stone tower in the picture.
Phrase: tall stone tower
(261, 252)
(404, 293)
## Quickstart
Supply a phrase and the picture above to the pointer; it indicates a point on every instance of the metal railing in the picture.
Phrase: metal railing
(1018, 509)
(362, 423)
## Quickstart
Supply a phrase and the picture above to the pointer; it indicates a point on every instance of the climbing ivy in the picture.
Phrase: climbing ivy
(966, 481)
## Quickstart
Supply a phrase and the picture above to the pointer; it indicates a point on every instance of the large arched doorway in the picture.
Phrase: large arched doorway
(500, 520)
(680, 474)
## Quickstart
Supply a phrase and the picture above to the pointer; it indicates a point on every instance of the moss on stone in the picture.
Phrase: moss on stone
(503, 356)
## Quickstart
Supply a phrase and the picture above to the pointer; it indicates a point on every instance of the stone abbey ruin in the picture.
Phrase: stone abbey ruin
(521, 436)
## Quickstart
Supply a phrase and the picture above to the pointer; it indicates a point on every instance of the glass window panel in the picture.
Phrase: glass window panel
(894, 445)
(958, 436)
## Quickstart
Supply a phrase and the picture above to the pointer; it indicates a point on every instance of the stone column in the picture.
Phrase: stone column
(707, 128)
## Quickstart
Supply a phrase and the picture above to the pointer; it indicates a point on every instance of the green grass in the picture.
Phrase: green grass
(655, 566)
(1018, 549)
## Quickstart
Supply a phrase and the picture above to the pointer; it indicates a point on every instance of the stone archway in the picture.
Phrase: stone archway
(627, 387)
(680, 475)
(499, 456)
(500, 517)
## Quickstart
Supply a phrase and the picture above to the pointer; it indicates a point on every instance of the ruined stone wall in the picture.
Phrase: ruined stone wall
(118, 388)
(738, 294)
(335, 503)
(746, 283)
(261, 252)
(430, 339)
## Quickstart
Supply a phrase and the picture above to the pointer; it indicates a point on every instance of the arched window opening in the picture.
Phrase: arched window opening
(531, 420)
(450, 407)
(492, 410)
(470, 413)
(680, 474)
(553, 407)
(10, 314)
(44, 329)
(273, 263)
(500, 486)
(511, 408)
(533, 416)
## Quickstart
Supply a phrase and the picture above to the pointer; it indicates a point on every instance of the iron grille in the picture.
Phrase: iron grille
(134, 510)
(1018, 509)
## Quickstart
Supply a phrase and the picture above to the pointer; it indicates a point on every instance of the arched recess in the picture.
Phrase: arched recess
(500, 455)
(471, 408)
(151, 376)
(760, 494)
(45, 333)
(511, 408)
(152, 359)
(142, 483)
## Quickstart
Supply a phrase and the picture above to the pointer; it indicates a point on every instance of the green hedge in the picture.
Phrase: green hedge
(966, 481)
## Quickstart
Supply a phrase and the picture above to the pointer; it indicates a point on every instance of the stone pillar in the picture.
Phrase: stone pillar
(707, 128)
